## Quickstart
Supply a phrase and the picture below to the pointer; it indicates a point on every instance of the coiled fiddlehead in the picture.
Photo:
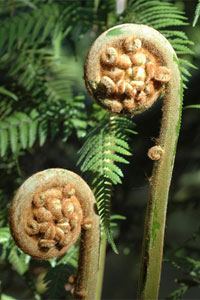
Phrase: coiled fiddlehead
(48, 214)
(133, 62)
(129, 73)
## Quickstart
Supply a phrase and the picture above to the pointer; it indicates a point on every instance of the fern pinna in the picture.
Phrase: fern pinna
(105, 146)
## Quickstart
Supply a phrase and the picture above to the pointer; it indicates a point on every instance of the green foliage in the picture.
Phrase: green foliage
(196, 14)
(18, 260)
(4, 234)
(106, 145)
(192, 106)
(58, 276)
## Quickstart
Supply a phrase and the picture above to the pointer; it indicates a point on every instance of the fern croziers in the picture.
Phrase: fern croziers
(43, 105)
(48, 214)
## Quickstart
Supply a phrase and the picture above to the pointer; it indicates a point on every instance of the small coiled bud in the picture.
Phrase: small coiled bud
(32, 227)
(64, 225)
(124, 62)
(55, 207)
(65, 241)
(115, 74)
(109, 57)
(132, 45)
(68, 190)
(43, 243)
(108, 84)
(115, 105)
(39, 200)
(150, 70)
(42, 214)
(68, 208)
(139, 74)
(121, 87)
(155, 152)
(50, 232)
(138, 85)
(138, 59)
(129, 90)
(162, 74)
(87, 223)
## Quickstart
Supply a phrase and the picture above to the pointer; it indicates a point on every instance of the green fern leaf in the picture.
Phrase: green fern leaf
(6, 297)
(12, 36)
(4, 235)
(23, 128)
(48, 27)
(106, 145)
(114, 168)
(4, 35)
(197, 106)
(117, 158)
(37, 29)
(33, 128)
(18, 260)
(196, 14)
(13, 133)
(3, 138)
(42, 132)
(117, 149)
(4, 91)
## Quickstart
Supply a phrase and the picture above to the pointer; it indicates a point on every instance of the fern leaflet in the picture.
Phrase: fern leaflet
(106, 144)
(196, 14)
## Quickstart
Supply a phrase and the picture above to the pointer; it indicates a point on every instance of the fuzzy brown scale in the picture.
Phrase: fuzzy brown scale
(129, 73)
(58, 221)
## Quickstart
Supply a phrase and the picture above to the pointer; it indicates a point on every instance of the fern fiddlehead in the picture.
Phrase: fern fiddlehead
(48, 214)
(164, 69)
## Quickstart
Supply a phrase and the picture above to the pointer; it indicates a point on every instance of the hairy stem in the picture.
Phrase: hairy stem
(152, 249)
(102, 257)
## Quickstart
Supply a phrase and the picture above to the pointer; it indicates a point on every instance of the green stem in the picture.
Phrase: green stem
(153, 240)
(102, 257)
(57, 45)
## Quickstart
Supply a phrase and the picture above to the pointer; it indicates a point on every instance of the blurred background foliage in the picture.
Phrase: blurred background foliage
(45, 114)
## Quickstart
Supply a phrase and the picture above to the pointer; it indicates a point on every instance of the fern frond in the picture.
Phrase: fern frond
(106, 144)
(4, 91)
(19, 260)
(58, 276)
(4, 234)
(18, 130)
(196, 14)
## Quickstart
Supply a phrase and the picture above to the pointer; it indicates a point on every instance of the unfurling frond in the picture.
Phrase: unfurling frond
(106, 145)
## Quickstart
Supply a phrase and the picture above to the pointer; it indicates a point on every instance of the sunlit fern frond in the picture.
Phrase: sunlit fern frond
(163, 16)
(105, 147)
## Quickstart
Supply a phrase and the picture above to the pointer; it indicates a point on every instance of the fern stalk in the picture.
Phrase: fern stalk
(152, 249)
(102, 256)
